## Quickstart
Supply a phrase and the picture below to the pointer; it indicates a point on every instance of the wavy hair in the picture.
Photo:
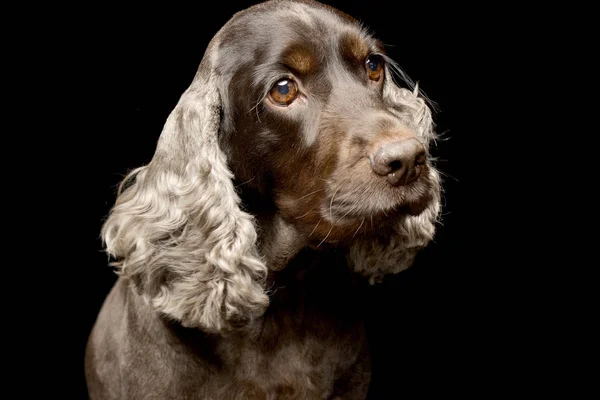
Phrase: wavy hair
(177, 231)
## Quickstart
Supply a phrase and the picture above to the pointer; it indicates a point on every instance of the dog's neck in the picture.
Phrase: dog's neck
(279, 241)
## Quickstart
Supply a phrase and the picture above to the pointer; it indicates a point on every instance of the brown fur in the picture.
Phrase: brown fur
(300, 59)
(297, 174)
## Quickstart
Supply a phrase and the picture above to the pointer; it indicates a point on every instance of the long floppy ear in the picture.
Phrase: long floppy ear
(395, 251)
(177, 230)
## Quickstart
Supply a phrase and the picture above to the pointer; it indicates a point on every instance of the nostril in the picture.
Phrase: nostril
(395, 165)
(421, 158)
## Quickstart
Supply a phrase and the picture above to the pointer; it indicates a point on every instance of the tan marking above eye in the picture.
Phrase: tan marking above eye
(284, 92)
(353, 48)
(299, 59)
(374, 66)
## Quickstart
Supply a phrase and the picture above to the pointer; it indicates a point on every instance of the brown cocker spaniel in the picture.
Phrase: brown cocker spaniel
(292, 173)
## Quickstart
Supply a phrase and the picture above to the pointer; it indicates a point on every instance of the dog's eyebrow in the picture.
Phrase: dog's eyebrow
(299, 58)
(353, 48)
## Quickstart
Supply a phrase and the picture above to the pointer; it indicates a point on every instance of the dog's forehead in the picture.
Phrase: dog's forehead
(307, 11)
(297, 33)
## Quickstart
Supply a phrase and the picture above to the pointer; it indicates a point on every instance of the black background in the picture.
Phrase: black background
(438, 327)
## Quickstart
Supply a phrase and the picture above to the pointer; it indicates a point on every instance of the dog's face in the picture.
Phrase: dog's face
(306, 122)
(294, 103)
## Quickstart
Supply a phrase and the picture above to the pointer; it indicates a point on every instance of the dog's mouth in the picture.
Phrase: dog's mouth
(351, 205)
(376, 200)
(351, 214)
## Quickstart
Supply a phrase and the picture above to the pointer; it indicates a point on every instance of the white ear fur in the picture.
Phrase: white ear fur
(410, 108)
(389, 254)
(178, 232)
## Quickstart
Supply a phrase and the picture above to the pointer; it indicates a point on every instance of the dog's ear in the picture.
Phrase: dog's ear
(177, 230)
(395, 250)
(410, 107)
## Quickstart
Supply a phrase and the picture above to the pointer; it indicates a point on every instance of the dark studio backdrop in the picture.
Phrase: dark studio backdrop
(427, 325)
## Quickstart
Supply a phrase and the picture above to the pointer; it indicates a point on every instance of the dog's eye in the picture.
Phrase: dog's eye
(284, 92)
(374, 67)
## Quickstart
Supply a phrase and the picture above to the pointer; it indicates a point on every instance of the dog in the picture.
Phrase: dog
(293, 173)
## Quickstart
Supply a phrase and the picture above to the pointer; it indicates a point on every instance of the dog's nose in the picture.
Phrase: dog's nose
(401, 161)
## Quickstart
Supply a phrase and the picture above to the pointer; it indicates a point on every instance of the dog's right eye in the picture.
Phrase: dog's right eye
(284, 92)
(374, 67)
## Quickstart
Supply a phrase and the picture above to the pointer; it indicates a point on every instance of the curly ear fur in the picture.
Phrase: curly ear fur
(395, 251)
(178, 232)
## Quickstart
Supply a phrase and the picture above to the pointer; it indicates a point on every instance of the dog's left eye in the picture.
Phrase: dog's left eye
(284, 92)
(374, 67)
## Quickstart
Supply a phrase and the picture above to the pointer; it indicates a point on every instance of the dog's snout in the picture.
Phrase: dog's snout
(402, 161)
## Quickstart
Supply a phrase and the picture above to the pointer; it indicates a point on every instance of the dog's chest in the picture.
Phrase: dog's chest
(289, 368)
(303, 345)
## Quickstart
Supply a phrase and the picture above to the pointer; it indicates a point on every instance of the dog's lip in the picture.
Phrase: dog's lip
(341, 216)
(345, 211)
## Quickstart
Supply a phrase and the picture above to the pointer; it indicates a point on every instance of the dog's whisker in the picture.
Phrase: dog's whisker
(331, 203)
(310, 194)
(315, 228)
(345, 215)
(361, 224)
(304, 215)
(447, 175)
(248, 181)
(326, 236)
(255, 108)
(353, 206)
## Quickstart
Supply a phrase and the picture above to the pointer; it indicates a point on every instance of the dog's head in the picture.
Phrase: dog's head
(295, 101)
